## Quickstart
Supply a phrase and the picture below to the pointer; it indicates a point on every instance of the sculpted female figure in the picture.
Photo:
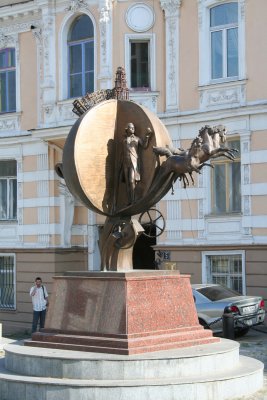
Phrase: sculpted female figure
(131, 161)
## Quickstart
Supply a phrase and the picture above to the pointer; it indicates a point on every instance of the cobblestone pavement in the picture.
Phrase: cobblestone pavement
(254, 345)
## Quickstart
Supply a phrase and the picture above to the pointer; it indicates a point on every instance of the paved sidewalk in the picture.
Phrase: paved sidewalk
(254, 345)
(3, 342)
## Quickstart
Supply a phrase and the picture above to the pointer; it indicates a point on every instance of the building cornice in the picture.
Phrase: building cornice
(208, 247)
(195, 116)
(23, 11)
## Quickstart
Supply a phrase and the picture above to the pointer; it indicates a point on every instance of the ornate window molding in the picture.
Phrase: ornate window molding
(62, 45)
(76, 5)
(148, 97)
(150, 37)
(229, 90)
(221, 95)
(65, 113)
(10, 125)
(12, 40)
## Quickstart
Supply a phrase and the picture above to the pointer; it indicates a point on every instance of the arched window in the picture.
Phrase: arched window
(81, 57)
(224, 40)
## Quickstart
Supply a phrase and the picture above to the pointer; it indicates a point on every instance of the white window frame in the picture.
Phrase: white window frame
(6, 70)
(205, 43)
(228, 162)
(63, 45)
(150, 38)
(205, 255)
(14, 281)
(13, 42)
(223, 29)
(8, 197)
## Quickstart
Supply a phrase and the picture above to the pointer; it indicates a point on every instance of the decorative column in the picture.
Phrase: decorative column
(45, 38)
(49, 57)
(245, 138)
(171, 10)
(37, 34)
(105, 27)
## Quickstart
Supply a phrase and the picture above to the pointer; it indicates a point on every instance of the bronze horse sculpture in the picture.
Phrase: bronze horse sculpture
(205, 146)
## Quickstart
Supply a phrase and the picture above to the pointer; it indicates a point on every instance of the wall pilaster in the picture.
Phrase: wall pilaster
(171, 10)
(105, 31)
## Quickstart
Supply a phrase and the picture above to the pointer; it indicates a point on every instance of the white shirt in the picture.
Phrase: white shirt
(38, 299)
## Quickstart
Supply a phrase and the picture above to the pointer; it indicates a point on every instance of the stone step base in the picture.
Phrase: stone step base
(183, 362)
(121, 346)
(244, 379)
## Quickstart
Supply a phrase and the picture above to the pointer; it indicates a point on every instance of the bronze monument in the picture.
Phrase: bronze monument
(119, 161)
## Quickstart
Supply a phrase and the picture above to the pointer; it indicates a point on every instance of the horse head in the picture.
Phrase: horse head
(205, 130)
(213, 135)
(221, 131)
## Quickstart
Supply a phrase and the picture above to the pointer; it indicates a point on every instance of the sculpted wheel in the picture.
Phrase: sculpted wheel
(152, 221)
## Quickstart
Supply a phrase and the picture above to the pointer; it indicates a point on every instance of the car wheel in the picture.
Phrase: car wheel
(241, 332)
(203, 323)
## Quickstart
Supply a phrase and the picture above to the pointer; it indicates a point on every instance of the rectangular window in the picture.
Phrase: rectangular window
(8, 190)
(81, 68)
(225, 269)
(224, 40)
(140, 65)
(232, 52)
(7, 81)
(7, 282)
(226, 183)
(216, 55)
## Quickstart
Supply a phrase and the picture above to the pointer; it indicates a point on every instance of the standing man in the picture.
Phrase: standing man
(39, 297)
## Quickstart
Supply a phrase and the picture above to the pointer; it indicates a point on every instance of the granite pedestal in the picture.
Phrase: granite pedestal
(149, 322)
(122, 313)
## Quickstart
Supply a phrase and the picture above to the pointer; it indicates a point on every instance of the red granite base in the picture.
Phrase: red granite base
(122, 313)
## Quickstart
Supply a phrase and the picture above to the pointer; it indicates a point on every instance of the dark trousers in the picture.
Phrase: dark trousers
(38, 315)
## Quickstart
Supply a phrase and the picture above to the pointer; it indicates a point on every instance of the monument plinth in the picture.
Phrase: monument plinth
(122, 313)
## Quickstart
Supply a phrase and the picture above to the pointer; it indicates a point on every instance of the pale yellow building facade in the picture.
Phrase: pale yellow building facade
(192, 62)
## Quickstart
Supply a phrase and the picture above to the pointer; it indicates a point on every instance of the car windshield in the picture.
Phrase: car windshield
(214, 293)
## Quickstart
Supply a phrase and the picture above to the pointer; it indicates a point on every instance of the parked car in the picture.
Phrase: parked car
(212, 299)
